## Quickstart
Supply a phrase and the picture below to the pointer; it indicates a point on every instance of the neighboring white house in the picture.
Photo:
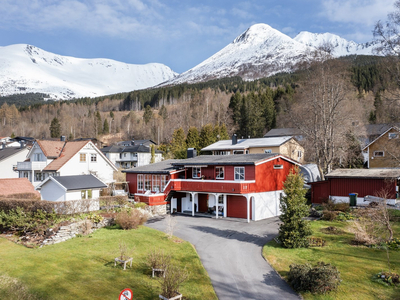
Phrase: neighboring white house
(65, 158)
(9, 156)
(135, 154)
(68, 188)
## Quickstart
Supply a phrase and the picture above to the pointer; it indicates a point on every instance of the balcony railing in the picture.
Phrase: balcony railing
(31, 165)
(127, 159)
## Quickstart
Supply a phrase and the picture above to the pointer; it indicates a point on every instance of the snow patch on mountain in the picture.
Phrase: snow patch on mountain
(28, 69)
(340, 46)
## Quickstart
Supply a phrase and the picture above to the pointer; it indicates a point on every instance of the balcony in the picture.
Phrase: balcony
(215, 186)
(31, 165)
(127, 159)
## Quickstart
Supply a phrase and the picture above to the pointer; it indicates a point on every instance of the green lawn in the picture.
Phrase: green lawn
(357, 264)
(83, 267)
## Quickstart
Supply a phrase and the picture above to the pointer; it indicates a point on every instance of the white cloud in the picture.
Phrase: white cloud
(363, 12)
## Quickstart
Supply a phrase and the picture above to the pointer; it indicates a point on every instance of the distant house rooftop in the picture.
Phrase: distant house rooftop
(247, 143)
(10, 186)
(278, 132)
(365, 173)
(77, 182)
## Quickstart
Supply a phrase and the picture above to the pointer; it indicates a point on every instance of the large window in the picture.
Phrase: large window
(219, 172)
(147, 182)
(82, 157)
(163, 182)
(239, 173)
(156, 183)
(196, 172)
(86, 194)
(140, 182)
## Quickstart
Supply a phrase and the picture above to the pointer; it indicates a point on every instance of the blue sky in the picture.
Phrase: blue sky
(177, 33)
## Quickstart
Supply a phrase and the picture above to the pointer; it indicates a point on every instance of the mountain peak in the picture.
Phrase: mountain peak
(257, 33)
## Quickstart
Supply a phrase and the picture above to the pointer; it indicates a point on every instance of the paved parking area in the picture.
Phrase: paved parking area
(231, 252)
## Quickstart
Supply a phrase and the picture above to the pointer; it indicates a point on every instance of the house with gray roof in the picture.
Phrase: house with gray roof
(135, 154)
(69, 188)
(9, 157)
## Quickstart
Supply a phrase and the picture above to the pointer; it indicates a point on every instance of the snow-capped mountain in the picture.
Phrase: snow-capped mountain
(262, 51)
(340, 46)
(28, 69)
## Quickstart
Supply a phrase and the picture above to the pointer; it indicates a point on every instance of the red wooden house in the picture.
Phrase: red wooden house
(241, 186)
(365, 182)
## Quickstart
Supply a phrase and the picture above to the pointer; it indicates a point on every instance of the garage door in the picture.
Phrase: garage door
(237, 207)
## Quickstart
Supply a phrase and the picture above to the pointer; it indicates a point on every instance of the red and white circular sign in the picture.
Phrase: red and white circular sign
(126, 294)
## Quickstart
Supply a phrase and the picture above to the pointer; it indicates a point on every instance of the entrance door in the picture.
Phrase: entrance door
(203, 202)
(179, 204)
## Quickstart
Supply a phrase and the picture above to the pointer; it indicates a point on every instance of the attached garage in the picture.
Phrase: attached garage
(237, 207)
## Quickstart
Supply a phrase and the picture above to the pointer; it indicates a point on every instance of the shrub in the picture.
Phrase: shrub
(157, 259)
(320, 279)
(140, 205)
(329, 215)
(173, 279)
(130, 219)
(329, 205)
(387, 278)
(124, 252)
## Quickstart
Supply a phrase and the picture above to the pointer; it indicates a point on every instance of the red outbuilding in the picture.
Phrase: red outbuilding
(241, 186)
(365, 182)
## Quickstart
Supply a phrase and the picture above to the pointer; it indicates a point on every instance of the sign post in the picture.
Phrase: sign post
(126, 294)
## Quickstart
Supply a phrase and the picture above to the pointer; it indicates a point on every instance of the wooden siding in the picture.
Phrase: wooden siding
(270, 179)
(386, 145)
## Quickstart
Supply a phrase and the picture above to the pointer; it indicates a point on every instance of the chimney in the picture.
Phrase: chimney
(191, 152)
(22, 144)
(133, 142)
(234, 139)
(62, 138)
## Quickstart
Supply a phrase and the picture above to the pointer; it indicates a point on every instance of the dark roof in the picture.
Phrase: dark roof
(9, 151)
(364, 173)
(283, 132)
(79, 182)
(238, 159)
(130, 149)
(377, 129)
(164, 167)
(137, 142)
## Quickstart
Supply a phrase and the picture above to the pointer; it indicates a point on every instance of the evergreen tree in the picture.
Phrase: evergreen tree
(111, 114)
(55, 128)
(148, 114)
(153, 154)
(163, 113)
(206, 136)
(106, 128)
(98, 123)
(223, 132)
(294, 230)
(178, 144)
(192, 138)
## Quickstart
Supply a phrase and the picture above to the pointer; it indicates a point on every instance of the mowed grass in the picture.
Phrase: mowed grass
(83, 267)
(356, 264)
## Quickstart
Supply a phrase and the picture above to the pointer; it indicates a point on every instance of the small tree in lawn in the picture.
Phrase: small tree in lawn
(294, 230)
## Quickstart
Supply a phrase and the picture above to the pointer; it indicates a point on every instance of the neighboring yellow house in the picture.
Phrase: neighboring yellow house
(285, 145)
(384, 151)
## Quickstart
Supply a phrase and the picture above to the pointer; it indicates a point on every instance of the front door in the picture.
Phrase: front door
(203, 202)
(179, 205)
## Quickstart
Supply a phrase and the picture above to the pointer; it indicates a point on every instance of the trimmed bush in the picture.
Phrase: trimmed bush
(320, 279)
(329, 215)
(130, 219)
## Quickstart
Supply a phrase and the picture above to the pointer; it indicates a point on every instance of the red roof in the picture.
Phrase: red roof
(9, 186)
(68, 151)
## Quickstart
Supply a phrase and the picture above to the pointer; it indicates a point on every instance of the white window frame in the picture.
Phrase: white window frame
(218, 172)
(37, 156)
(156, 183)
(93, 157)
(238, 172)
(140, 183)
(393, 135)
(380, 151)
(268, 151)
(147, 182)
(299, 154)
(238, 151)
(196, 172)
(278, 167)
(163, 182)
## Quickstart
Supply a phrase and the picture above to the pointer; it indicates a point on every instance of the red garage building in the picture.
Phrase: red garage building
(242, 186)
(365, 182)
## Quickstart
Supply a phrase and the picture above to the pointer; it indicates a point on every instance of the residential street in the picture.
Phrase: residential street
(230, 250)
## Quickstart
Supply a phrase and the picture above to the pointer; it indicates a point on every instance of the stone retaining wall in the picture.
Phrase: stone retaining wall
(67, 232)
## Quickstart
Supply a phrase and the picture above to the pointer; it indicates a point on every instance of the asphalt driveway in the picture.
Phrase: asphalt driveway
(231, 252)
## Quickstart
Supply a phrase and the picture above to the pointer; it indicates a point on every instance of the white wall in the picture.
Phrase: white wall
(360, 200)
(101, 168)
(265, 205)
(51, 191)
(6, 165)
